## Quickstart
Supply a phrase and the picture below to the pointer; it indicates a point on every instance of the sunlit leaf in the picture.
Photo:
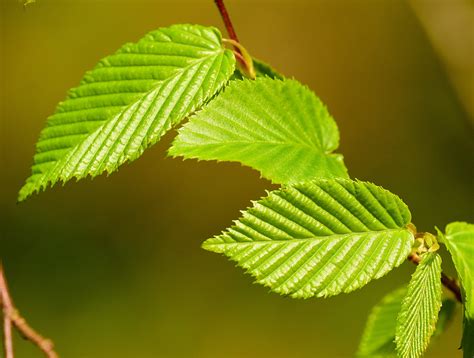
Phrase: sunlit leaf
(378, 339)
(128, 101)
(459, 240)
(319, 238)
(416, 321)
(279, 128)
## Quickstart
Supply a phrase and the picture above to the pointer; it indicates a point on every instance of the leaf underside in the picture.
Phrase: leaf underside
(416, 321)
(459, 240)
(319, 238)
(378, 339)
(279, 128)
(128, 101)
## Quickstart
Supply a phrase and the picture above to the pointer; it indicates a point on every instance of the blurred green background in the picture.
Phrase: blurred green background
(113, 267)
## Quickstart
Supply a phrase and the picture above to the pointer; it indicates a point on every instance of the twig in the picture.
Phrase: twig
(11, 317)
(447, 281)
(243, 57)
(226, 18)
(451, 285)
(7, 322)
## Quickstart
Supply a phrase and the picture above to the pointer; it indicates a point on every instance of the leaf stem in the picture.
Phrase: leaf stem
(244, 57)
(240, 52)
(447, 281)
(11, 316)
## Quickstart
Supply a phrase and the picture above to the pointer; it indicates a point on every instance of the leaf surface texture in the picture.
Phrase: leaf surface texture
(459, 240)
(319, 238)
(419, 313)
(128, 101)
(279, 128)
(378, 339)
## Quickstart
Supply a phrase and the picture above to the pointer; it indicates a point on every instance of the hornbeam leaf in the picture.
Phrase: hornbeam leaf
(378, 339)
(128, 101)
(446, 314)
(277, 127)
(416, 321)
(319, 238)
(459, 240)
(263, 69)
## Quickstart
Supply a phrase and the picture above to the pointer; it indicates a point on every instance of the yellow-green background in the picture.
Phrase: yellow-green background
(113, 267)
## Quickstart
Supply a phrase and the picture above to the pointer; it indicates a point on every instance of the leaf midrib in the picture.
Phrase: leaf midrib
(306, 239)
(294, 144)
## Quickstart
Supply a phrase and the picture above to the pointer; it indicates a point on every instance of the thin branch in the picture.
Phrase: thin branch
(226, 18)
(447, 281)
(12, 316)
(7, 322)
(451, 285)
(244, 57)
(240, 54)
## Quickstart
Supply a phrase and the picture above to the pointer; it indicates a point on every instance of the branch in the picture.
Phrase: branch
(240, 52)
(226, 18)
(11, 316)
(447, 281)
(7, 322)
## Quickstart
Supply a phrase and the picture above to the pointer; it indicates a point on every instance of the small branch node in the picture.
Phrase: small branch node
(12, 317)
(448, 282)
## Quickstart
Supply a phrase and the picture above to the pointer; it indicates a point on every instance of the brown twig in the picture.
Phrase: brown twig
(447, 281)
(7, 322)
(226, 18)
(11, 317)
(243, 57)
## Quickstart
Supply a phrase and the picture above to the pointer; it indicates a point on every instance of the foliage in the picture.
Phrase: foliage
(459, 240)
(416, 321)
(319, 238)
(378, 339)
(319, 235)
(128, 101)
(253, 123)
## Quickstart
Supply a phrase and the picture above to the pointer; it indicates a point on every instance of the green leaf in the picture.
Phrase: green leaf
(419, 313)
(262, 69)
(319, 238)
(128, 101)
(378, 339)
(277, 127)
(265, 70)
(446, 314)
(459, 241)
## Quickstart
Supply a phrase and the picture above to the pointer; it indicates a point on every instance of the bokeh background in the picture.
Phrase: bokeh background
(113, 267)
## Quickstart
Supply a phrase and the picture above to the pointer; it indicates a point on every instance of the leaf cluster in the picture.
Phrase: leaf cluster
(320, 234)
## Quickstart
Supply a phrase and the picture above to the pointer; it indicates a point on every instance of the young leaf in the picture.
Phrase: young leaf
(264, 69)
(446, 314)
(277, 127)
(416, 321)
(319, 238)
(459, 240)
(378, 339)
(128, 101)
